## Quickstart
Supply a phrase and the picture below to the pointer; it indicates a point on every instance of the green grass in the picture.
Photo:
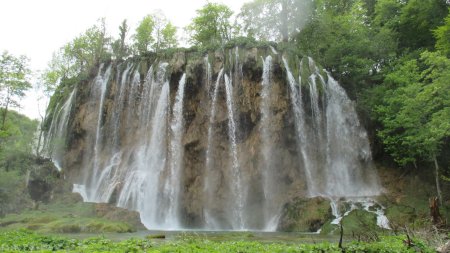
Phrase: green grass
(23, 240)
(63, 218)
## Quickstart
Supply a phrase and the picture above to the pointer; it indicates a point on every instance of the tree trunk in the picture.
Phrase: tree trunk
(5, 112)
(434, 211)
(436, 174)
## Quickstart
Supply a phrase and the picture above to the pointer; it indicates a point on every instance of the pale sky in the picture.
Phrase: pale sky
(37, 28)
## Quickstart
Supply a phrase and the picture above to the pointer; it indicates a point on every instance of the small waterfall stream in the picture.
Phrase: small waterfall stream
(172, 185)
(210, 174)
(237, 188)
(56, 136)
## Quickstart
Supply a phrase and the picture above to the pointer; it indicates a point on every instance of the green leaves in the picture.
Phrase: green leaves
(274, 20)
(211, 26)
(442, 35)
(13, 82)
(416, 108)
(155, 32)
(143, 37)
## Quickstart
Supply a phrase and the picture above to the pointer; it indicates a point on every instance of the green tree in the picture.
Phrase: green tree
(14, 82)
(442, 35)
(169, 39)
(412, 20)
(274, 19)
(415, 111)
(119, 46)
(86, 50)
(417, 20)
(164, 32)
(211, 26)
(346, 44)
(17, 139)
(143, 38)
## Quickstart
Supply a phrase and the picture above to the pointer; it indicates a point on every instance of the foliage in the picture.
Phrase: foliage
(274, 19)
(412, 21)
(416, 108)
(12, 191)
(119, 47)
(143, 37)
(77, 58)
(88, 49)
(65, 213)
(211, 26)
(22, 240)
(16, 140)
(155, 32)
(16, 144)
(442, 35)
(13, 82)
(165, 32)
(343, 42)
(169, 39)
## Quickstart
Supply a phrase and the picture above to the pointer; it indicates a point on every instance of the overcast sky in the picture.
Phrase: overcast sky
(37, 28)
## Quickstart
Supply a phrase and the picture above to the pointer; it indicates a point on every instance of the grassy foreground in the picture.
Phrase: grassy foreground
(23, 240)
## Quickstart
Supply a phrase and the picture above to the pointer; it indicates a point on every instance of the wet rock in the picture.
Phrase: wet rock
(305, 215)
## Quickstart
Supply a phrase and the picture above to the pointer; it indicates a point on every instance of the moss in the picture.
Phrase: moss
(305, 215)
(156, 236)
(62, 217)
(357, 222)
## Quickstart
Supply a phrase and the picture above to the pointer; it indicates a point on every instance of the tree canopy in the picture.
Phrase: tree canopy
(274, 19)
(211, 26)
(14, 82)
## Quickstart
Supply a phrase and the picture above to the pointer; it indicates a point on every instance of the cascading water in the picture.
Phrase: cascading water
(237, 188)
(271, 207)
(337, 143)
(226, 157)
(301, 130)
(56, 136)
(172, 185)
(211, 177)
(100, 88)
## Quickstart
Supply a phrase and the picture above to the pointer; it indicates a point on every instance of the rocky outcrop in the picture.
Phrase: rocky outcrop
(305, 215)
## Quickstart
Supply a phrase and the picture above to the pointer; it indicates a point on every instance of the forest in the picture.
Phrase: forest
(392, 57)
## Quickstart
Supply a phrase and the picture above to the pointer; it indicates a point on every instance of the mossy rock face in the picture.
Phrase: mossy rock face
(357, 222)
(305, 215)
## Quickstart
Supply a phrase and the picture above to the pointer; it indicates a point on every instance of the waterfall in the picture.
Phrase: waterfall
(336, 149)
(271, 207)
(300, 129)
(54, 145)
(237, 189)
(172, 185)
(147, 159)
(348, 148)
(210, 175)
(227, 157)
(119, 106)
